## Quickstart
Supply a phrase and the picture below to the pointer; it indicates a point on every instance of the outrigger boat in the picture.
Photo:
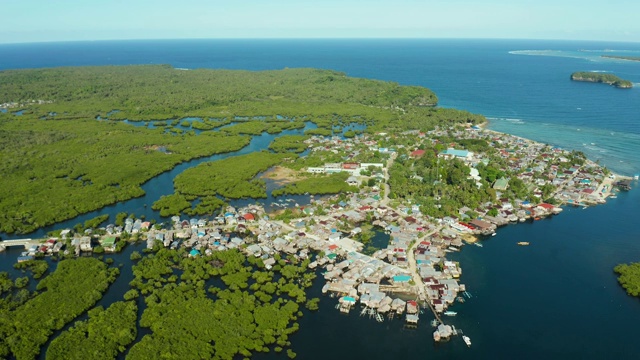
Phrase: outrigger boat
(466, 339)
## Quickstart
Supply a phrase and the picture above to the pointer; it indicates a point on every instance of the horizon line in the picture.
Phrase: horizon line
(312, 38)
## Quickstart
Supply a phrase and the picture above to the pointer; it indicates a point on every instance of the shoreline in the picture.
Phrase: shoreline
(418, 252)
(484, 127)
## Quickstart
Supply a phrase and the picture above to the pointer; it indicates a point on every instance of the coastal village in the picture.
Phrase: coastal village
(411, 276)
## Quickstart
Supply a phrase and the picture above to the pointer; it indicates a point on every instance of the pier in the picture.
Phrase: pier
(396, 289)
(435, 313)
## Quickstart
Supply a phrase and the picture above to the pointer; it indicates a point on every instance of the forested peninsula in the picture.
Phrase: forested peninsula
(67, 149)
(629, 277)
(601, 78)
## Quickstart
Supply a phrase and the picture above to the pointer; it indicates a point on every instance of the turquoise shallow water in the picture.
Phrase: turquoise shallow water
(557, 298)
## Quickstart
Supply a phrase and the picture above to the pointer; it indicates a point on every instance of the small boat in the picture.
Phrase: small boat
(494, 234)
(434, 323)
(467, 294)
(450, 313)
(478, 244)
(379, 317)
(466, 339)
(325, 288)
(523, 243)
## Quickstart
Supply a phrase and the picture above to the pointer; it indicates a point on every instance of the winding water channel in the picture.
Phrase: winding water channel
(163, 183)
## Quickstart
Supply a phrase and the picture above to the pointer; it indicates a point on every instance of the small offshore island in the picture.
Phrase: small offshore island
(609, 79)
(224, 281)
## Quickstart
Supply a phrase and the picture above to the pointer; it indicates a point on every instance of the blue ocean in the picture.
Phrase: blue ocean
(557, 298)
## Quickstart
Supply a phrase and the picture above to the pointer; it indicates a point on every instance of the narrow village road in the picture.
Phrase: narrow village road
(413, 267)
(414, 272)
(387, 188)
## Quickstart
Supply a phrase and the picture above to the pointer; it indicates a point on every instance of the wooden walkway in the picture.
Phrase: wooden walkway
(397, 289)
(435, 313)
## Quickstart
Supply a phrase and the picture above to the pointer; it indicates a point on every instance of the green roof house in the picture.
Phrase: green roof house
(501, 184)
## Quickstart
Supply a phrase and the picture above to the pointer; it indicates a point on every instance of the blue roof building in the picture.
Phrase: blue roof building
(401, 279)
(461, 154)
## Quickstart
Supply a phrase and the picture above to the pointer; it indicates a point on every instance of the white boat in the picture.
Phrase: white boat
(466, 339)
(325, 288)
(450, 313)
(478, 244)
(379, 317)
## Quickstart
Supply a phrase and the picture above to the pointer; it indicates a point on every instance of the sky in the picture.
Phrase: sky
(73, 20)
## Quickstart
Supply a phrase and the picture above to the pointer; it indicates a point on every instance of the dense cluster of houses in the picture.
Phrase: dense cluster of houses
(415, 259)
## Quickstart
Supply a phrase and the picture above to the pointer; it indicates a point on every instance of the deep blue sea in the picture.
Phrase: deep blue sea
(557, 298)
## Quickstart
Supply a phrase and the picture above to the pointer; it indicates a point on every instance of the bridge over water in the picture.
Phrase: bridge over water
(20, 242)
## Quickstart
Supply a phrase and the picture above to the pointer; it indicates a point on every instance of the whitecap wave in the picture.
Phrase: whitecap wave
(555, 53)
(535, 52)
(608, 51)
(510, 120)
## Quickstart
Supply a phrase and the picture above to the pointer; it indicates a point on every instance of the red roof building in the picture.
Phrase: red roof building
(249, 217)
(417, 153)
(546, 206)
